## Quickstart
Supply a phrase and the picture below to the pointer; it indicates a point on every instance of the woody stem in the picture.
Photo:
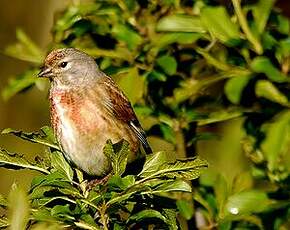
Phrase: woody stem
(180, 141)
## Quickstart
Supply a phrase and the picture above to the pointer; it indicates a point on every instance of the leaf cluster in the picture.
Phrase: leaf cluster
(64, 197)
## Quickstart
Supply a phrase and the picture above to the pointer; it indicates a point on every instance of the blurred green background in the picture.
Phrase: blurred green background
(36, 19)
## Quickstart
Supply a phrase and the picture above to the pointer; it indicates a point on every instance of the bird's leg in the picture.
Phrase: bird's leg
(93, 183)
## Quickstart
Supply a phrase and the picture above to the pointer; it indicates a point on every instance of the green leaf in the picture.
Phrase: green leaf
(43, 215)
(283, 24)
(188, 89)
(167, 63)
(221, 192)
(261, 12)
(128, 35)
(117, 155)
(54, 179)
(4, 222)
(246, 203)
(263, 65)
(166, 39)
(164, 186)
(189, 169)
(235, 86)
(221, 115)
(132, 83)
(122, 183)
(3, 201)
(49, 225)
(243, 181)
(48, 200)
(59, 163)
(153, 162)
(87, 218)
(269, 91)
(276, 144)
(40, 192)
(250, 36)
(284, 46)
(46, 192)
(185, 208)
(168, 133)
(84, 225)
(71, 15)
(191, 88)
(217, 21)
(252, 219)
(213, 61)
(170, 215)
(118, 53)
(268, 41)
(156, 75)
(18, 212)
(44, 136)
(145, 187)
(14, 161)
(20, 83)
(180, 23)
(63, 212)
(146, 214)
(25, 49)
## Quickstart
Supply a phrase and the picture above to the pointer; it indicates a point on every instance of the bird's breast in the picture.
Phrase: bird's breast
(74, 115)
(82, 126)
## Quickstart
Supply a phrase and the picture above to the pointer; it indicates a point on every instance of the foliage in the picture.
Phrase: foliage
(184, 65)
(61, 195)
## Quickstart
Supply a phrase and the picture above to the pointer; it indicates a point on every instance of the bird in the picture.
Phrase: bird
(87, 108)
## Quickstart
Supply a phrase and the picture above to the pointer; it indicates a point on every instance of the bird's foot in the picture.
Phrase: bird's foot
(93, 183)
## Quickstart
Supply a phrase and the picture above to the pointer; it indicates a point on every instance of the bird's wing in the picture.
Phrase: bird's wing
(121, 108)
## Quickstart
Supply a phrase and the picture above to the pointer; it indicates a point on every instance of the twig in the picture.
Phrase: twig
(102, 212)
(245, 27)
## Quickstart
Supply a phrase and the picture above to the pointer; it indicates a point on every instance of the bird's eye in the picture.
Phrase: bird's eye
(63, 64)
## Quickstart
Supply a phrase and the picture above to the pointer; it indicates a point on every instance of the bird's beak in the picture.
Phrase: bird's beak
(45, 72)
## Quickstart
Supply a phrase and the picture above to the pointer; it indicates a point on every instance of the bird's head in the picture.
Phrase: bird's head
(69, 66)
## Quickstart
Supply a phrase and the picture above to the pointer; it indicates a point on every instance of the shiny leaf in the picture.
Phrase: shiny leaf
(132, 83)
(276, 144)
(59, 163)
(234, 88)
(168, 186)
(217, 21)
(269, 91)
(126, 34)
(264, 65)
(14, 161)
(44, 136)
(189, 169)
(180, 23)
(147, 214)
(153, 162)
(117, 155)
(167, 63)
(166, 39)
(221, 115)
(261, 12)
(246, 203)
